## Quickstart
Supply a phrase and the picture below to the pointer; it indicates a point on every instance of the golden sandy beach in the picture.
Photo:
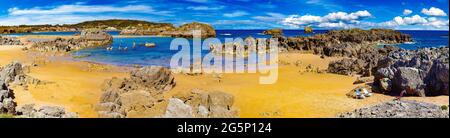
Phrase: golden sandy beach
(77, 86)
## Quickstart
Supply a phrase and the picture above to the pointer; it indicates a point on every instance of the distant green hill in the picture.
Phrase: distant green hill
(120, 24)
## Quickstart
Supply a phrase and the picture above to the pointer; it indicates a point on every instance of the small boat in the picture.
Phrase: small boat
(226, 34)
(150, 44)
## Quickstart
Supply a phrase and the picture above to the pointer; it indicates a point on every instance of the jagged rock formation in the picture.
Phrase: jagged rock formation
(14, 74)
(363, 64)
(88, 38)
(135, 95)
(7, 103)
(184, 31)
(399, 109)
(422, 72)
(274, 32)
(201, 104)
(348, 43)
(5, 40)
(28, 111)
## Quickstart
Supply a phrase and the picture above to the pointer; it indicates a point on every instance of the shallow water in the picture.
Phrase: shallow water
(161, 54)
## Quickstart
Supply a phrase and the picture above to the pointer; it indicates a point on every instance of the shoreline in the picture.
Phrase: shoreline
(307, 94)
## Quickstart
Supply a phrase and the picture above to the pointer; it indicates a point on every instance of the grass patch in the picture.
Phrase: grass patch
(6, 116)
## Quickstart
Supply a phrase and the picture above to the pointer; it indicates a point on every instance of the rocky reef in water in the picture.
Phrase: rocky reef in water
(13, 74)
(274, 32)
(346, 43)
(88, 38)
(184, 31)
(142, 95)
(400, 109)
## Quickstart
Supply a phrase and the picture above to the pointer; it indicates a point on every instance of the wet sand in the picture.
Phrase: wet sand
(297, 93)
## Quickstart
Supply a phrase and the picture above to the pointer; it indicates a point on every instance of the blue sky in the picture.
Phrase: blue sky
(237, 14)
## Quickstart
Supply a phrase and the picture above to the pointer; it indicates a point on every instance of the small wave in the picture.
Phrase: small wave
(260, 34)
(226, 34)
(409, 43)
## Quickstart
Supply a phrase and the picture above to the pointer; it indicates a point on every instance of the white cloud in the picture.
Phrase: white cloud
(76, 8)
(343, 16)
(204, 8)
(433, 12)
(235, 14)
(414, 20)
(407, 12)
(331, 20)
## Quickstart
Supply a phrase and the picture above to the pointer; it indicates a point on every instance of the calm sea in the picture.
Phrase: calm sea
(161, 54)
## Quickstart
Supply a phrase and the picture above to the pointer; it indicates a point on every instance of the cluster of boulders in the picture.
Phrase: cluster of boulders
(422, 72)
(6, 40)
(400, 109)
(363, 64)
(88, 38)
(29, 111)
(7, 103)
(201, 104)
(184, 31)
(14, 74)
(348, 43)
(245, 47)
(142, 95)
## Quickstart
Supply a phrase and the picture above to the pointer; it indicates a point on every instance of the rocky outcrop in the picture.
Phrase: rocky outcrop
(28, 111)
(308, 29)
(201, 104)
(5, 40)
(364, 63)
(87, 39)
(274, 32)
(422, 72)
(7, 103)
(136, 95)
(399, 109)
(348, 43)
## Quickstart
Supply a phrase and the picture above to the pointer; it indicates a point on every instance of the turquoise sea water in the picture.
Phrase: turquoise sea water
(161, 54)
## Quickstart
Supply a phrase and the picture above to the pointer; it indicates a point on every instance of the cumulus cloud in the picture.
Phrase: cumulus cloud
(414, 20)
(331, 20)
(236, 14)
(407, 12)
(433, 12)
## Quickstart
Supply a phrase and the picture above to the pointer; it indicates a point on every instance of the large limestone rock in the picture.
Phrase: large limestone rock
(422, 72)
(135, 96)
(28, 111)
(274, 32)
(203, 104)
(7, 103)
(399, 109)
